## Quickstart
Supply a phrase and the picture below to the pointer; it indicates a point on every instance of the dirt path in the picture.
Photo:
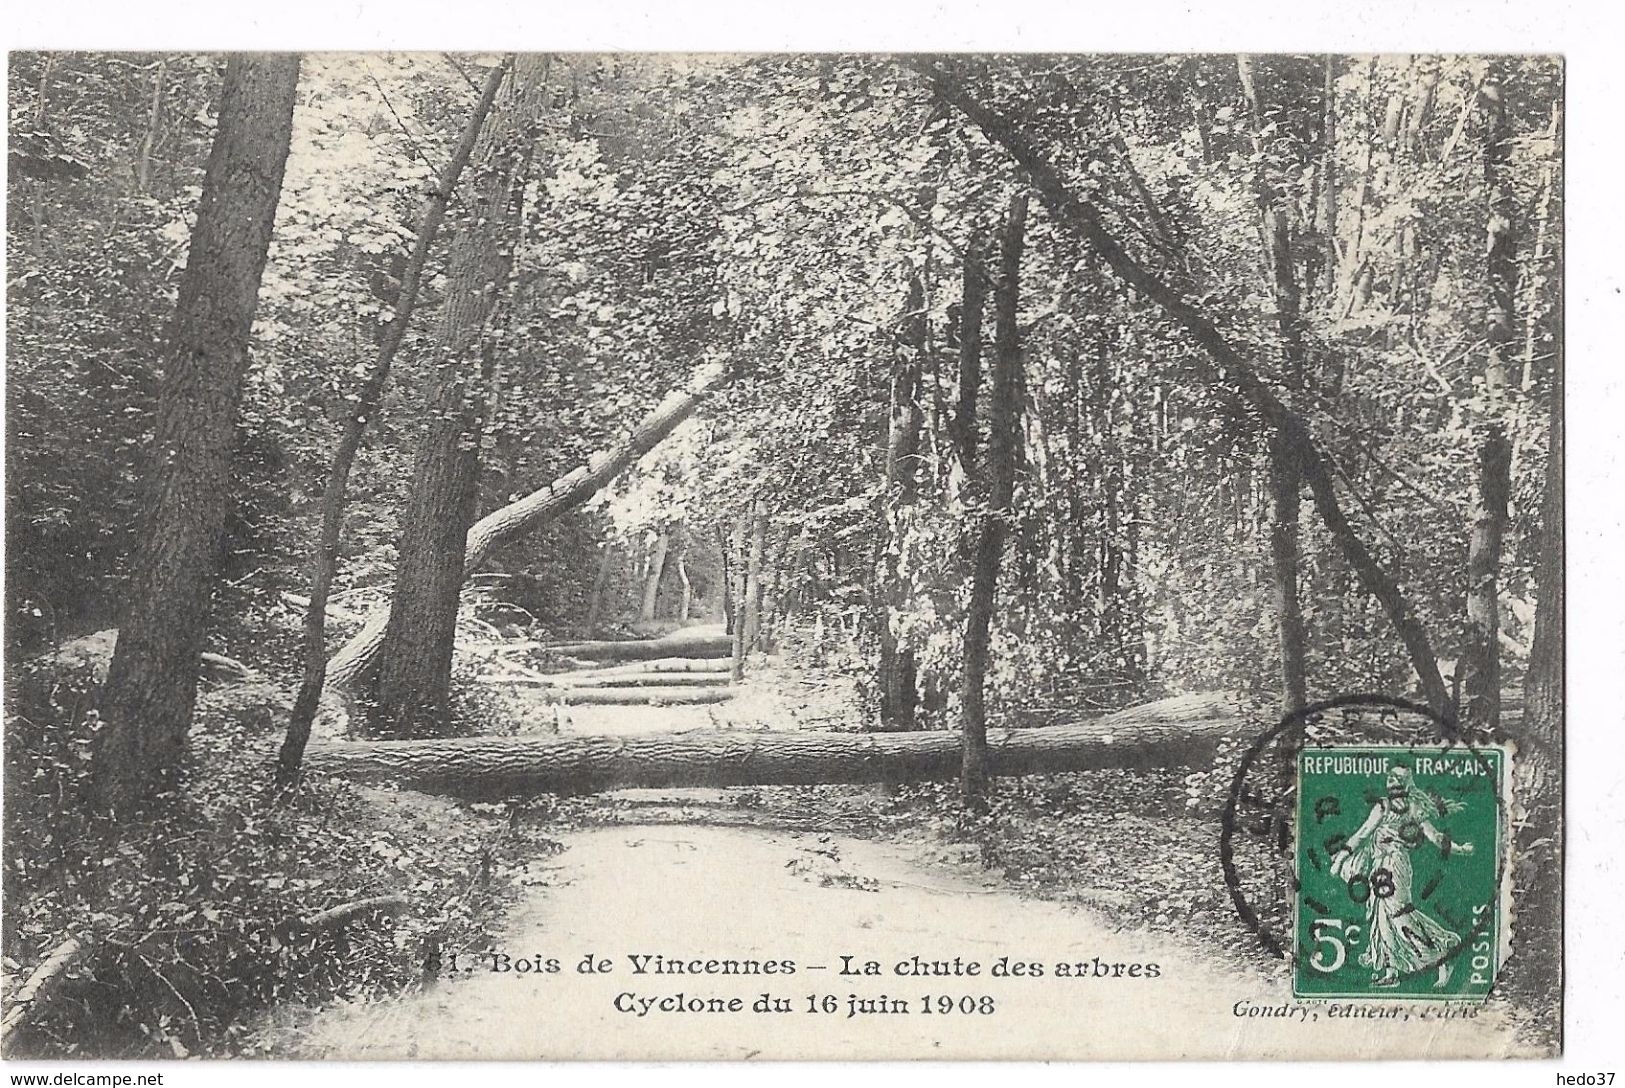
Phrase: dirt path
(709, 892)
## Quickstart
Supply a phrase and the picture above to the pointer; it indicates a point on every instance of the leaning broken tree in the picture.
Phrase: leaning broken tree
(355, 660)
(1225, 369)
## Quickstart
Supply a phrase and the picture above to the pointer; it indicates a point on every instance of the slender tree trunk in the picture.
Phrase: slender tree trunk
(152, 681)
(1275, 213)
(149, 140)
(1003, 453)
(1328, 185)
(1537, 942)
(1480, 669)
(973, 295)
(1226, 367)
(325, 555)
(898, 674)
(414, 674)
(737, 606)
(600, 584)
(651, 580)
(753, 577)
(687, 603)
(1481, 657)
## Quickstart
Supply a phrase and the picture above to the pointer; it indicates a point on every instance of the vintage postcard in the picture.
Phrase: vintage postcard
(653, 556)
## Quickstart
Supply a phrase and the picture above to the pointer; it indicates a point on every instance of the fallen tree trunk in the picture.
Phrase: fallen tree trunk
(707, 646)
(348, 912)
(579, 681)
(29, 1000)
(670, 696)
(356, 658)
(662, 665)
(510, 767)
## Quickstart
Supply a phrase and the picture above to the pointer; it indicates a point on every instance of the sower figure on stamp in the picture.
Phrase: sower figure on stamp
(1402, 938)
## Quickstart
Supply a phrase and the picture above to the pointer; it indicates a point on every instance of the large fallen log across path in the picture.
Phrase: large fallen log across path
(513, 767)
(672, 696)
(707, 665)
(708, 645)
(625, 681)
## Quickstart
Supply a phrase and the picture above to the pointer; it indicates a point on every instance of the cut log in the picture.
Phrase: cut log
(357, 657)
(589, 680)
(707, 644)
(348, 912)
(670, 696)
(664, 665)
(512, 767)
(95, 651)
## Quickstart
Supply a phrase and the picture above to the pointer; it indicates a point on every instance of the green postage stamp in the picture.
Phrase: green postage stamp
(1401, 859)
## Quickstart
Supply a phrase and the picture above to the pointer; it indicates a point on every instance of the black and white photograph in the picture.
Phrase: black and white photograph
(650, 556)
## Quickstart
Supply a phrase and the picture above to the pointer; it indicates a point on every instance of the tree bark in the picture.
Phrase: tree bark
(753, 577)
(973, 295)
(414, 674)
(687, 603)
(1227, 368)
(898, 672)
(1481, 651)
(689, 643)
(1480, 668)
(600, 584)
(28, 1002)
(1537, 942)
(324, 557)
(1003, 453)
(737, 646)
(1275, 214)
(152, 681)
(508, 767)
(355, 661)
(149, 140)
(651, 581)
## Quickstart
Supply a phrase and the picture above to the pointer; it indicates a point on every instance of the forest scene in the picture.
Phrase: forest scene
(428, 473)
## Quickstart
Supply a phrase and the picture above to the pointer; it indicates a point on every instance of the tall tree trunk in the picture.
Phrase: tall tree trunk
(737, 606)
(1481, 657)
(152, 681)
(651, 580)
(1327, 279)
(149, 140)
(1226, 367)
(973, 295)
(325, 555)
(1537, 942)
(600, 584)
(1275, 214)
(898, 675)
(687, 603)
(1003, 453)
(1480, 668)
(753, 577)
(414, 672)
